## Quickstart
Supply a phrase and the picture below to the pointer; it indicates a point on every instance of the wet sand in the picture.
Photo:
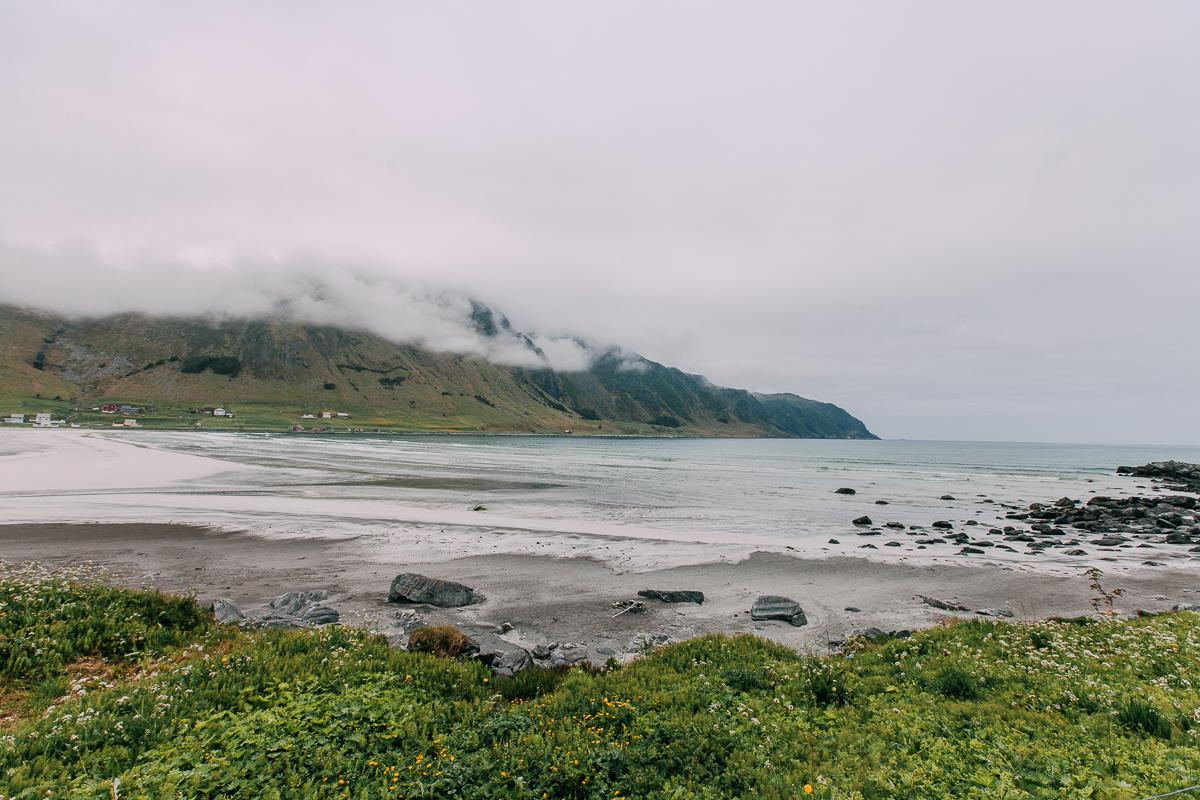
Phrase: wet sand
(550, 599)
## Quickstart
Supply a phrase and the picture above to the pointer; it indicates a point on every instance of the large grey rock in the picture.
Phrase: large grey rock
(226, 611)
(771, 606)
(510, 662)
(568, 655)
(318, 614)
(294, 602)
(673, 595)
(293, 610)
(413, 588)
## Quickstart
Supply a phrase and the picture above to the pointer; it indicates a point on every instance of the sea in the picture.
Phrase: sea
(638, 502)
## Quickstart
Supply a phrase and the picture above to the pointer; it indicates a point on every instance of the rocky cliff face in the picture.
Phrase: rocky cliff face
(283, 368)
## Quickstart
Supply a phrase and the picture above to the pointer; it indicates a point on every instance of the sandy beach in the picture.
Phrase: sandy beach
(73, 498)
(551, 599)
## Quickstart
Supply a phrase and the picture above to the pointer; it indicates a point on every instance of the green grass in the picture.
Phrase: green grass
(174, 706)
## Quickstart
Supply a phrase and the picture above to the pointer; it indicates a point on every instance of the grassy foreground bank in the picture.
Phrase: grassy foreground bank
(101, 685)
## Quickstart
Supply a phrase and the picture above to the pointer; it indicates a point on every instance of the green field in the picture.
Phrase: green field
(102, 686)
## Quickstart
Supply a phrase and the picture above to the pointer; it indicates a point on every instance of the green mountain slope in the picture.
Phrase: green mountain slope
(271, 372)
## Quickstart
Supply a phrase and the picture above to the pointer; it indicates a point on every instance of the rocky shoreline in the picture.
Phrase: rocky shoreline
(517, 610)
(1103, 523)
(1106, 524)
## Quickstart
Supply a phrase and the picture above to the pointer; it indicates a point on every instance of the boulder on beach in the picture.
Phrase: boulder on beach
(226, 611)
(293, 610)
(771, 606)
(410, 587)
(295, 602)
(863, 520)
(844, 490)
(510, 662)
(673, 595)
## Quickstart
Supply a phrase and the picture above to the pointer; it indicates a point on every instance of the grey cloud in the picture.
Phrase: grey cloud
(76, 280)
(957, 220)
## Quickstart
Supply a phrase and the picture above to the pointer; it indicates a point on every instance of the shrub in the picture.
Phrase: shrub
(827, 684)
(336, 712)
(444, 641)
(225, 365)
(194, 364)
(221, 365)
(532, 682)
(666, 421)
(1138, 715)
(742, 679)
(587, 413)
(329, 386)
(954, 681)
(49, 621)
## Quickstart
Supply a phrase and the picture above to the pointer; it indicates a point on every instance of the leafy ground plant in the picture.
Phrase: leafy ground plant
(101, 685)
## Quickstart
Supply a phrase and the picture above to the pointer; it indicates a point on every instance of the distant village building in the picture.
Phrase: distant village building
(308, 416)
(220, 412)
(44, 421)
(129, 423)
(130, 411)
(326, 415)
(343, 415)
(109, 408)
(14, 419)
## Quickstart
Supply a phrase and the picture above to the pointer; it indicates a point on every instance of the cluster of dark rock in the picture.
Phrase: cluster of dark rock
(1070, 526)
(1176, 476)
(1109, 522)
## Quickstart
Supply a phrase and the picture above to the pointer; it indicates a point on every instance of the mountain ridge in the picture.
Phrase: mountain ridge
(271, 371)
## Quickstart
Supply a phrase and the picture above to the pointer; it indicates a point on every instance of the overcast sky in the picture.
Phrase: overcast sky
(957, 220)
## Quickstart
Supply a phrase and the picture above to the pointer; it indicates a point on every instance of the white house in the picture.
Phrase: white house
(326, 415)
(15, 419)
(342, 415)
(129, 423)
(308, 416)
(44, 421)
(220, 412)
